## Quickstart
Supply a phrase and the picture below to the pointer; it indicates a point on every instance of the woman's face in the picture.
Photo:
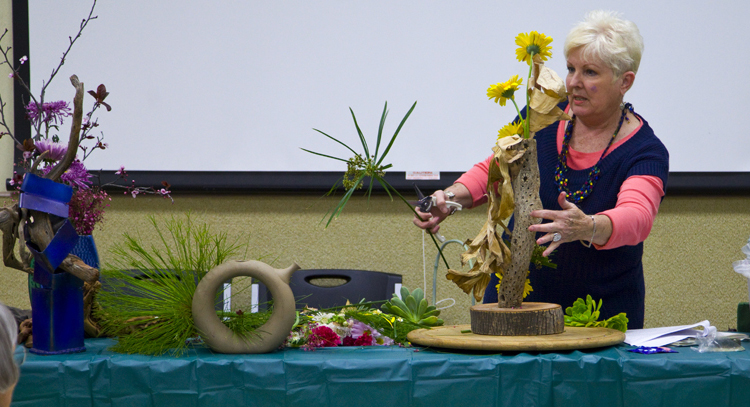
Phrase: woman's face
(593, 92)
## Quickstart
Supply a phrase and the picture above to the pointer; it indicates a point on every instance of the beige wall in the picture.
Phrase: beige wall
(688, 256)
(6, 90)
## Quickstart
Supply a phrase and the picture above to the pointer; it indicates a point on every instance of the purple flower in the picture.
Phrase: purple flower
(23, 59)
(10, 75)
(56, 151)
(135, 192)
(360, 328)
(52, 112)
(76, 176)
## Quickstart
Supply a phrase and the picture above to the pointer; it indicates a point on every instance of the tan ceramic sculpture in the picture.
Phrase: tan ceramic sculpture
(267, 337)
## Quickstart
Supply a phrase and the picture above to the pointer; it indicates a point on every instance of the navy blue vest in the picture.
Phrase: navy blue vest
(615, 276)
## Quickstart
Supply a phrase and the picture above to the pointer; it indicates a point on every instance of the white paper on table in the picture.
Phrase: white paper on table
(663, 335)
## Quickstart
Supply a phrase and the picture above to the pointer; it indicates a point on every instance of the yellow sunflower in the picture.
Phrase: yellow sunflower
(503, 91)
(533, 43)
(511, 129)
(526, 286)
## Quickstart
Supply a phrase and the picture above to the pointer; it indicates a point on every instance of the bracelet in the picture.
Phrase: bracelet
(592, 234)
(450, 195)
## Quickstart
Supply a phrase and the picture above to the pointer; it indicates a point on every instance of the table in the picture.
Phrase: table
(385, 376)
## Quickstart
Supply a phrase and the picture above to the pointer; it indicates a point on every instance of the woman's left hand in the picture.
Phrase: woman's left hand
(570, 224)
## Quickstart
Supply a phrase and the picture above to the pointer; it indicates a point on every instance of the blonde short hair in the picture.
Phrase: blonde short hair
(605, 36)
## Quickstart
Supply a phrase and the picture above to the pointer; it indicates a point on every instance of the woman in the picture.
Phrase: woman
(8, 368)
(603, 175)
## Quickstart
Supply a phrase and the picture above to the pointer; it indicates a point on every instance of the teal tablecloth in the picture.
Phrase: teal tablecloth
(385, 376)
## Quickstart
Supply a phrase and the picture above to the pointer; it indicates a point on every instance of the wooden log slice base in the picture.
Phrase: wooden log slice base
(532, 318)
(572, 338)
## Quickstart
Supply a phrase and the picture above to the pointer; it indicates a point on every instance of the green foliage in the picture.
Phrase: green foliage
(537, 258)
(365, 165)
(243, 322)
(149, 303)
(188, 246)
(413, 307)
(586, 313)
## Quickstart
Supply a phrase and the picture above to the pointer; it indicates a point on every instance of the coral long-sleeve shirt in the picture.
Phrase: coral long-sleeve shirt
(637, 202)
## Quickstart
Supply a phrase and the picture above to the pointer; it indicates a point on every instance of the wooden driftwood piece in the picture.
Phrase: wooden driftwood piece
(525, 180)
(532, 318)
(10, 223)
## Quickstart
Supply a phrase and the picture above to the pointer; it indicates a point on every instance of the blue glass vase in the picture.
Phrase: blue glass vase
(57, 305)
(86, 250)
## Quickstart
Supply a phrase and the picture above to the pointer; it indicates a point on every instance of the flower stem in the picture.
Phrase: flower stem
(517, 109)
(416, 214)
(526, 124)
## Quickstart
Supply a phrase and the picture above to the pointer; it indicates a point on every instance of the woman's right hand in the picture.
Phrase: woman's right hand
(431, 220)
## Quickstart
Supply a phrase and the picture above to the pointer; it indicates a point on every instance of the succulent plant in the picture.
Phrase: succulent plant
(413, 307)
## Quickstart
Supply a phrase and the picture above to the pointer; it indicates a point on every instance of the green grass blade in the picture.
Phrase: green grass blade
(336, 140)
(380, 129)
(324, 155)
(361, 136)
(369, 190)
(396, 133)
(383, 184)
(340, 207)
(333, 188)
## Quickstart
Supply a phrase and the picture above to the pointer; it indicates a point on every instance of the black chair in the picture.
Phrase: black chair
(355, 286)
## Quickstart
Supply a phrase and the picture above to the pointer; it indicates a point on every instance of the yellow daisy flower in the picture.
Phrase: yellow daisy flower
(503, 91)
(526, 285)
(533, 43)
(511, 129)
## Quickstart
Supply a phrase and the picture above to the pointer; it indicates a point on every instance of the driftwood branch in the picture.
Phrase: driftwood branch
(75, 266)
(9, 221)
(526, 191)
(75, 132)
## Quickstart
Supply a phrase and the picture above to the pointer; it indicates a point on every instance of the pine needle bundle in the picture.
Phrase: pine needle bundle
(147, 304)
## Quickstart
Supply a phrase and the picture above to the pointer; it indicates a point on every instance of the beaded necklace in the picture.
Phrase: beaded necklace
(562, 161)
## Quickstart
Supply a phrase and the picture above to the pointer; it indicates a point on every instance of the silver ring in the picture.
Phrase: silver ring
(556, 237)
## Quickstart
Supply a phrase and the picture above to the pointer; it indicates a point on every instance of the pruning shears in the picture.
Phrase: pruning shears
(425, 204)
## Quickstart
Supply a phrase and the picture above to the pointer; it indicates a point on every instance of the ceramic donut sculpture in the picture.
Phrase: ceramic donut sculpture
(264, 339)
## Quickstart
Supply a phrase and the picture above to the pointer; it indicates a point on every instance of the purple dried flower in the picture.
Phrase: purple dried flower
(52, 112)
(56, 151)
(76, 176)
